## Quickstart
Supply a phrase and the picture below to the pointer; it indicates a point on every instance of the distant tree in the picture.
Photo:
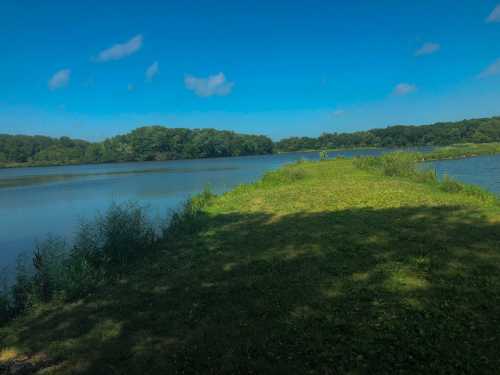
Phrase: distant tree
(477, 131)
(142, 144)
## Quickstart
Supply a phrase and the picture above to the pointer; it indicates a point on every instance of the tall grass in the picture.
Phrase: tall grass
(462, 151)
(187, 219)
(403, 164)
(104, 249)
(285, 175)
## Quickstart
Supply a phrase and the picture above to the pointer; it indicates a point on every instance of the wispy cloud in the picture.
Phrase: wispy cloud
(494, 15)
(152, 71)
(427, 49)
(337, 113)
(59, 79)
(492, 70)
(212, 85)
(404, 89)
(121, 50)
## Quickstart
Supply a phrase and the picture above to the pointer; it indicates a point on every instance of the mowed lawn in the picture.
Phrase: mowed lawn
(320, 268)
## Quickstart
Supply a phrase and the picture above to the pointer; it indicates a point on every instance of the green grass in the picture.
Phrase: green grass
(404, 164)
(319, 268)
(460, 151)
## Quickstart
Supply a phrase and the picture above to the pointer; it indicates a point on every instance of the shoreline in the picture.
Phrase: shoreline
(459, 151)
(386, 254)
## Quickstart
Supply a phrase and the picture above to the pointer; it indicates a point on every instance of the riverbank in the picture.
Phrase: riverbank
(462, 151)
(440, 153)
(321, 267)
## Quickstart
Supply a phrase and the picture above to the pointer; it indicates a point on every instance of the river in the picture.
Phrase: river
(37, 201)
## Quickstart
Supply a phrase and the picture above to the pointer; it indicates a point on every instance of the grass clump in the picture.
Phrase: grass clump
(287, 174)
(403, 164)
(104, 250)
(187, 219)
(117, 237)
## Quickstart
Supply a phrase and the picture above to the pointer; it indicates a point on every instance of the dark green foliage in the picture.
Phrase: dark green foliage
(105, 249)
(476, 131)
(117, 237)
(5, 302)
(186, 220)
(142, 144)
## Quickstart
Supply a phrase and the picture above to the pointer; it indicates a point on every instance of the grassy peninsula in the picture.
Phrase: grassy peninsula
(361, 266)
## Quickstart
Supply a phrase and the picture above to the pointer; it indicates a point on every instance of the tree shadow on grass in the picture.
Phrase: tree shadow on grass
(402, 290)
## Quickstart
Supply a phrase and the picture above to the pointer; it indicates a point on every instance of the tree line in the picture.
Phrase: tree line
(440, 134)
(142, 144)
(161, 143)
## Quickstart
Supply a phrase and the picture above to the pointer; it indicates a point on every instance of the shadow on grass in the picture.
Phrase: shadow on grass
(410, 290)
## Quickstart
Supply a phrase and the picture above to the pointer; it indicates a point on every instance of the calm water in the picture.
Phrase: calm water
(482, 170)
(38, 201)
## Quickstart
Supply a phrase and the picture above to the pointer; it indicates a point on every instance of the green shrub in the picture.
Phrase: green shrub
(124, 233)
(400, 164)
(368, 162)
(450, 185)
(5, 300)
(187, 219)
(22, 290)
(103, 247)
(49, 260)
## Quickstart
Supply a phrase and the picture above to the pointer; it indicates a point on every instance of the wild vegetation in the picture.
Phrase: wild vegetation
(104, 249)
(404, 164)
(459, 151)
(160, 143)
(339, 266)
(485, 130)
(142, 144)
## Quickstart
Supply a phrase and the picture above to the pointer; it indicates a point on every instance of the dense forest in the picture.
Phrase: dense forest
(142, 144)
(440, 134)
(161, 143)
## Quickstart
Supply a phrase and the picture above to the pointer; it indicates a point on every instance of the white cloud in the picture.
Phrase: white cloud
(494, 15)
(404, 89)
(152, 71)
(492, 70)
(212, 85)
(59, 79)
(427, 49)
(121, 50)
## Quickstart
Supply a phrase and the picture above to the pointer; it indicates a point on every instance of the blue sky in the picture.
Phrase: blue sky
(92, 69)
